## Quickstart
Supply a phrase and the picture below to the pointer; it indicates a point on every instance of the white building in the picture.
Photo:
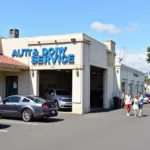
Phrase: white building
(147, 87)
(128, 79)
(73, 61)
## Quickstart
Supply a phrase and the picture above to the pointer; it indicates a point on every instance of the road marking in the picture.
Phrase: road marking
(3, 131)
(17, 122)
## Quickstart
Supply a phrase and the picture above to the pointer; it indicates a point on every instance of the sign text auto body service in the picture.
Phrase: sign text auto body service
(49, 55)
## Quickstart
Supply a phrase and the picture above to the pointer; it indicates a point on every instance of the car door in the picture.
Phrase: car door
(11, 105)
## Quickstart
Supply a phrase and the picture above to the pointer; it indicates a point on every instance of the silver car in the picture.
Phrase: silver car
(27, 107)
(61, 97)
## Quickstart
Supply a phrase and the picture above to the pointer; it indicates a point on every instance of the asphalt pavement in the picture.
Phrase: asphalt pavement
(111, 130)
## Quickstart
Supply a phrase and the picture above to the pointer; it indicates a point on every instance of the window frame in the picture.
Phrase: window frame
(51, 92)
(26, 99)
(6, 100)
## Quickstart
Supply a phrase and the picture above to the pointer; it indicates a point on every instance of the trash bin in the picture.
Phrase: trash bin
(117, 102)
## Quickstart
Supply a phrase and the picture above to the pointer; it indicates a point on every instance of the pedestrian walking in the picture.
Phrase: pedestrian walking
(128, 102)
(135, 105)
(141, 101)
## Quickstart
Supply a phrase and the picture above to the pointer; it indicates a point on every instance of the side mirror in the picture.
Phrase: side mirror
(4, 101)
(52, 94)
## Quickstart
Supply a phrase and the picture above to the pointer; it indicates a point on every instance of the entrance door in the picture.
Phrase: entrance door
(11, 85)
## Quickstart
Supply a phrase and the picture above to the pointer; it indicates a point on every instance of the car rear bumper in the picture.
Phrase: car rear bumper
(51, 113)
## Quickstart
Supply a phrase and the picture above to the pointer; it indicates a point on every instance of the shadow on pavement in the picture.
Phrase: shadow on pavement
(100, 110)
(4, 126)
(50, 120)
(65, 110)
(144, 115)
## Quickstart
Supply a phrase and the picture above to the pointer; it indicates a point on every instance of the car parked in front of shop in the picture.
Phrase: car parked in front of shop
(27, 107)
(62, 97)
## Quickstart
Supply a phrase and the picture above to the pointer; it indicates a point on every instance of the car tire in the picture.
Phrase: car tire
(27, 115)
(56, 103)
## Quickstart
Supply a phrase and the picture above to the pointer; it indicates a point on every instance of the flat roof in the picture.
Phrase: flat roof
(120, 65)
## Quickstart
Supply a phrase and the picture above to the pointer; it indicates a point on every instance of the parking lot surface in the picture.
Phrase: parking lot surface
(105, 130)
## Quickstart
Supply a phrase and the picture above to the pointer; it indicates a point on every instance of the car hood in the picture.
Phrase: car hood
(65, 96)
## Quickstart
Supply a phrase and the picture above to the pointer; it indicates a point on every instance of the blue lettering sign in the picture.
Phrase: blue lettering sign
(136, 75)
(34, 60)
(48, 55)
(14, 53)
(44, 51)
(40, 59)
(71, 58)
(64, 59)
(46, 59)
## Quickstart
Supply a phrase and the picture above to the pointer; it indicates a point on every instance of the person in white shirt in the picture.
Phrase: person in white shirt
(135, 105)
(128, 102)
(141, 101)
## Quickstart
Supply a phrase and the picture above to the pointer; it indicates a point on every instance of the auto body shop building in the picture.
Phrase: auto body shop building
(70, 61)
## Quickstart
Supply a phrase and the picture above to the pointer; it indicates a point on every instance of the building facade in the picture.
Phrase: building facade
(128, 79)
(73, 61)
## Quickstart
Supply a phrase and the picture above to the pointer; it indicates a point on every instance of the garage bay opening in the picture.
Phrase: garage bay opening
(56, 85)
(97, 88)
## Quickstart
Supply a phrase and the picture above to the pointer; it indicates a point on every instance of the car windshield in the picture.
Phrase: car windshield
(37, 99)
(63, 92)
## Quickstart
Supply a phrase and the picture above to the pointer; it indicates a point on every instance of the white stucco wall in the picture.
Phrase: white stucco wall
(19, 43)
(126, 74)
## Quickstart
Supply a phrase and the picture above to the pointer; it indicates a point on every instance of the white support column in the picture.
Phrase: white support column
(108, 88)
(2, 85)
(81, 91)
(34, 85)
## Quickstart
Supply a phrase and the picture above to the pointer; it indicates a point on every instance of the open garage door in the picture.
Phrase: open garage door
(56, 85)
(97, 88)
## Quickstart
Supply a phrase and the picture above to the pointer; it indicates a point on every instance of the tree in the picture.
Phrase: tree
(148, 54)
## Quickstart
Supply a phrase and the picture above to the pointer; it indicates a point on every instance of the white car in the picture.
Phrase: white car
(146, 100)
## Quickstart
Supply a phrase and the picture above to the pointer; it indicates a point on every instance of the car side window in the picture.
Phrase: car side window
(13, 99)
(51, 91)
(25, 100)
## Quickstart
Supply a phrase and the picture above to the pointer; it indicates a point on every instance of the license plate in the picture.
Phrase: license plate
(69, 104)
(53, 112)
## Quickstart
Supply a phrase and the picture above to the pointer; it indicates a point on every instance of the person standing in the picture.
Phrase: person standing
(128, 102)
(141, 101)
(135, 105)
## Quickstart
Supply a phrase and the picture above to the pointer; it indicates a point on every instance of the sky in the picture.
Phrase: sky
(125, 22)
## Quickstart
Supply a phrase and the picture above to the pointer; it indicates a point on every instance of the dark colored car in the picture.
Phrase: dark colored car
(27, 107)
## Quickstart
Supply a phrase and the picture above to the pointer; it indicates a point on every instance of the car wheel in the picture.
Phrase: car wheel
(27, 115)
(57, 105)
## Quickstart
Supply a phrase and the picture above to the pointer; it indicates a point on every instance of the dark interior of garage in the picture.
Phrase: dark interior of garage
(96, 92)
(56, 85)
(55, 79)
